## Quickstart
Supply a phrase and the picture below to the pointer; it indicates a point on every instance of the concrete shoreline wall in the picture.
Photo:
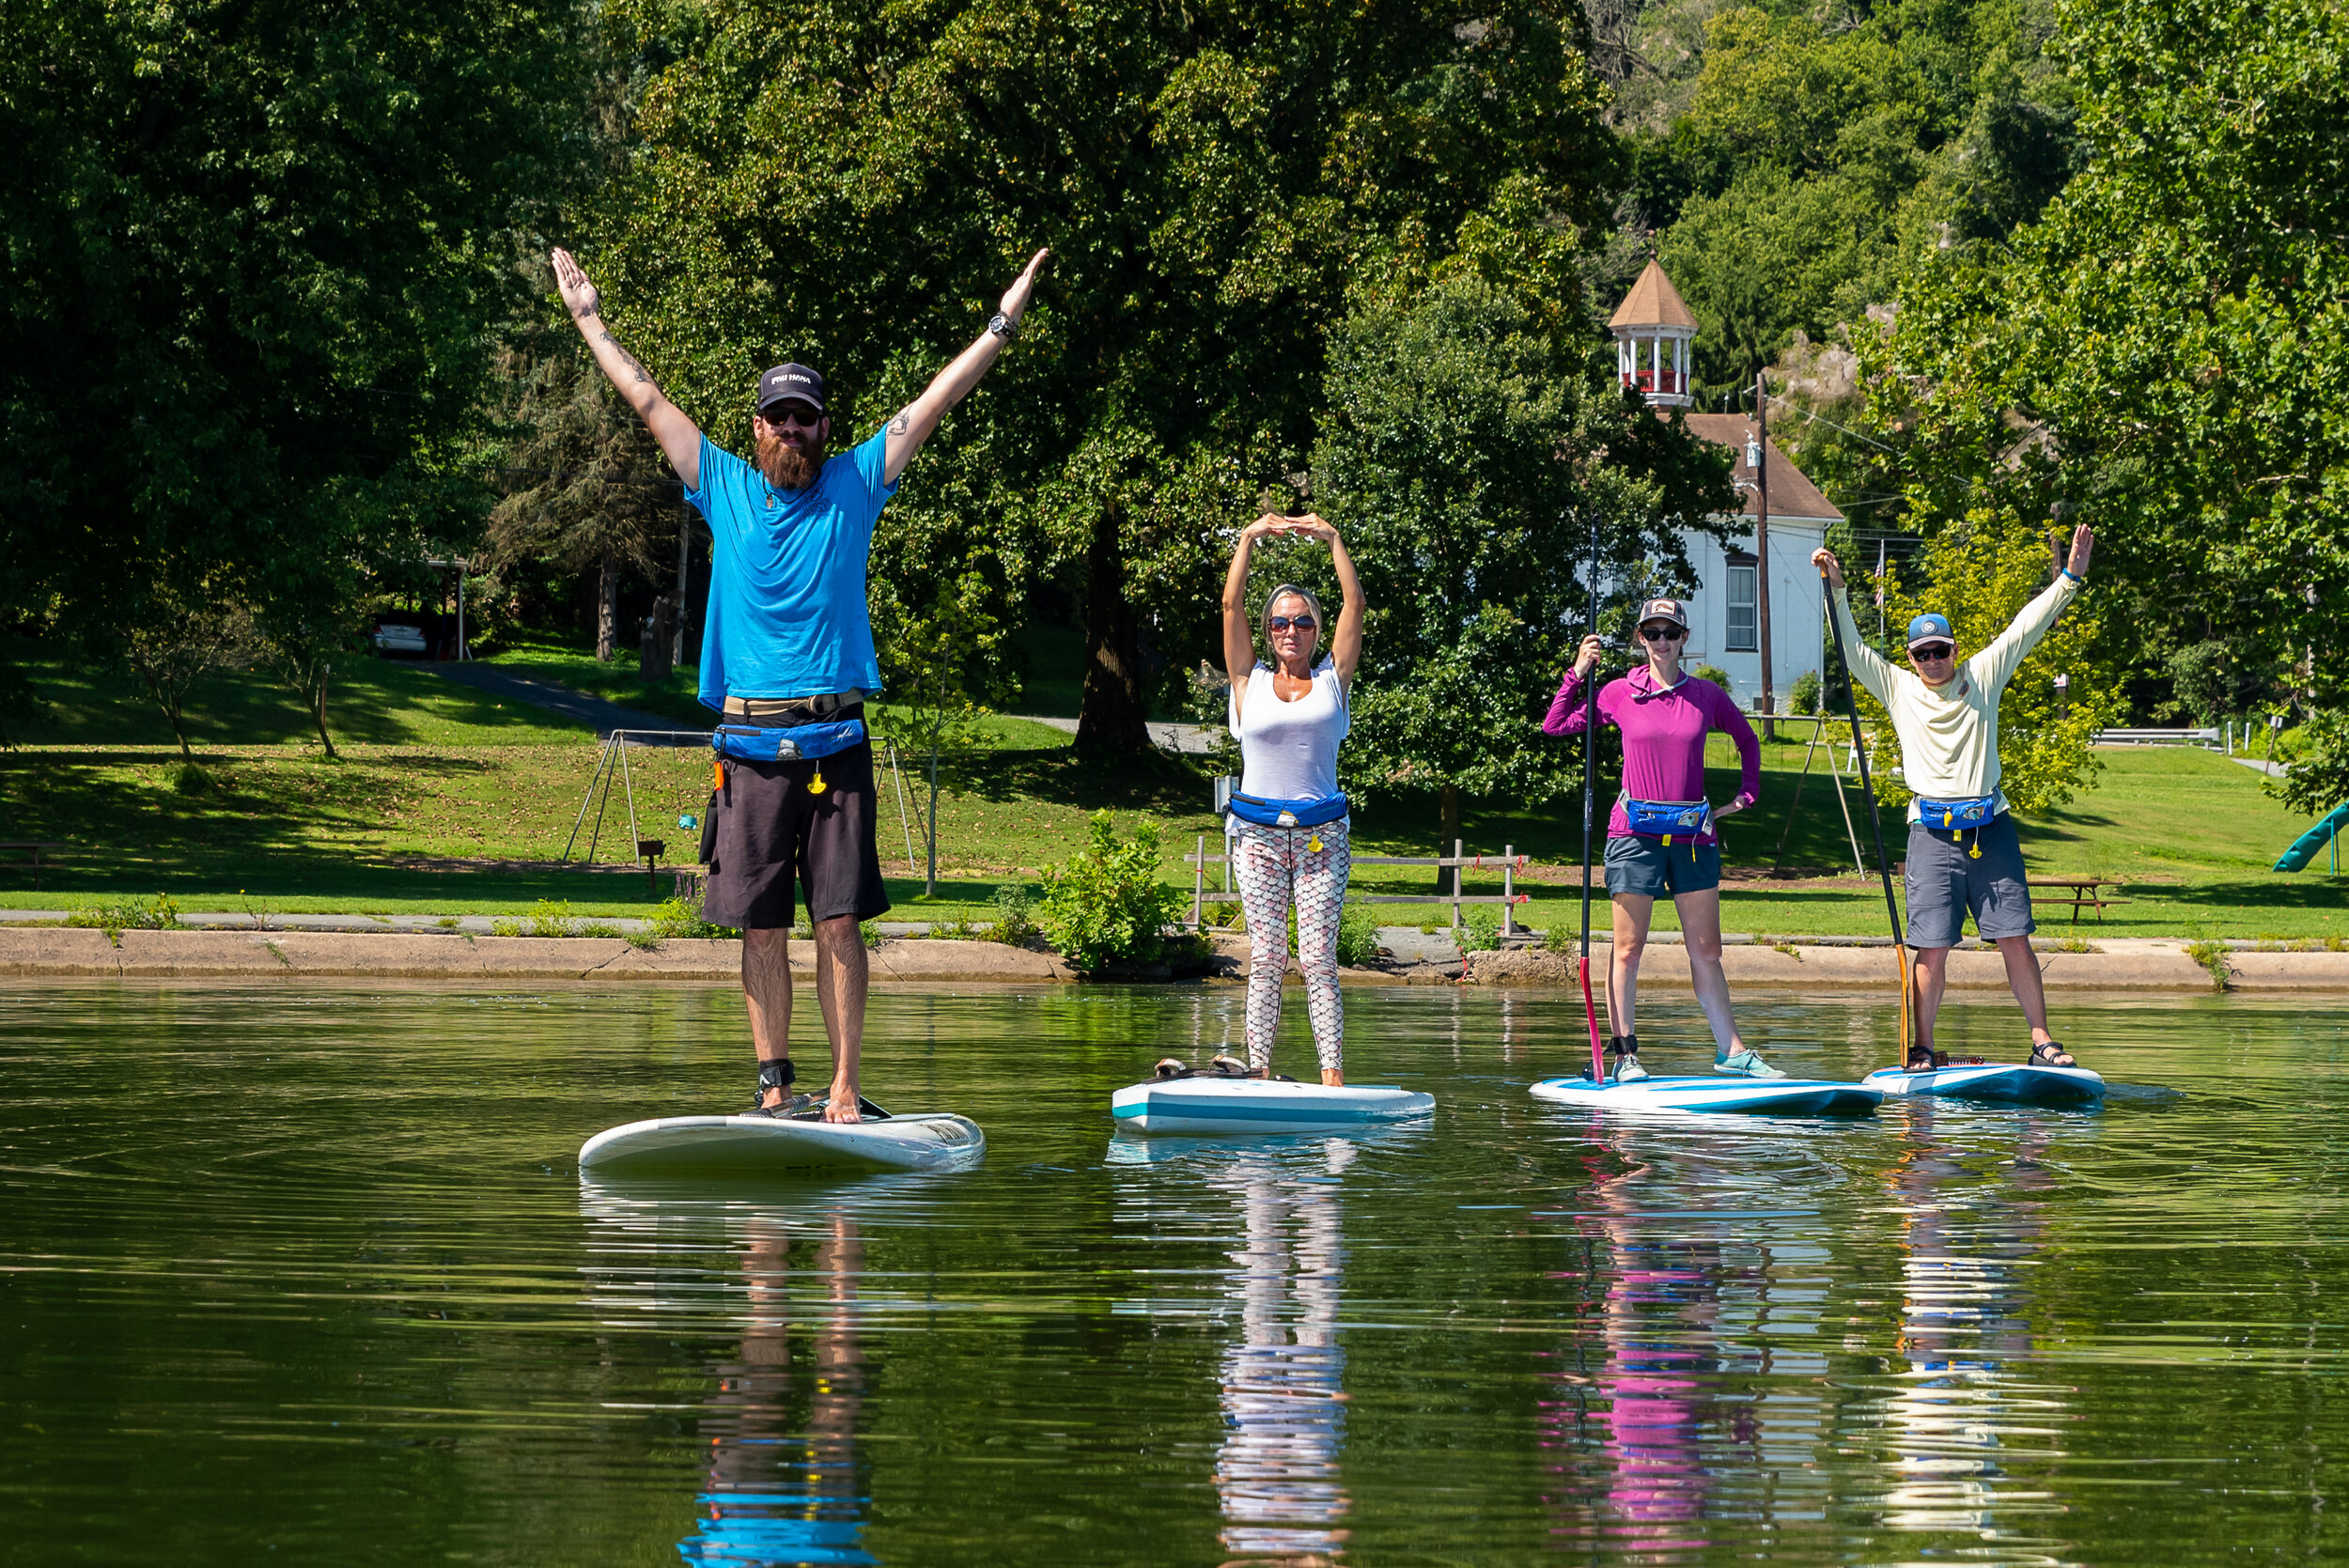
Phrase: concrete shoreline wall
(57, 951)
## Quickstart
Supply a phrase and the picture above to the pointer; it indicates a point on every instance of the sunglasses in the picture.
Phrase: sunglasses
(1281, 623)
(1663, 633)
(1930, 653)
(788, 415)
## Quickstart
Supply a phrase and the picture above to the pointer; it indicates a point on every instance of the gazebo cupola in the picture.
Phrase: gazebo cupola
(1653, 329)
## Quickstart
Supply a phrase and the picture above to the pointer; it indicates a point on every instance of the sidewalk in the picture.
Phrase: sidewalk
(595, 712)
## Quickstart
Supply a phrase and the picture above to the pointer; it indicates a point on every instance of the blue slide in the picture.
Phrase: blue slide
(2304, 849)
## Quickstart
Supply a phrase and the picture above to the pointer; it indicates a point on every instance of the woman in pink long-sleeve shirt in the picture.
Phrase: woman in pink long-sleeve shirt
(1652, 851)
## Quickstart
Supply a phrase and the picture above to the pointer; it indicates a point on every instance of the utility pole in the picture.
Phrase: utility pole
(1761, 547)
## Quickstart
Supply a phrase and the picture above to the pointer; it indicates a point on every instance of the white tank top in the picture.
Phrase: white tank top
(1289, 751)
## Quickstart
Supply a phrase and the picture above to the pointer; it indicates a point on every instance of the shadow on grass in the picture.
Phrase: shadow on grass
(1155, 782)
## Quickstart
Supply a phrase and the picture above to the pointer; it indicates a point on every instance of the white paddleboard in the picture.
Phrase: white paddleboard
(2004, 1082)
(1217, 1107)
(1722, 1093)
(738, 1145)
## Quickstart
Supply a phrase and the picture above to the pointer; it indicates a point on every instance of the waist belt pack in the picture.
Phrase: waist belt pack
(1287, 813)
(796, 743)
(1663, 818)
(1970, 812)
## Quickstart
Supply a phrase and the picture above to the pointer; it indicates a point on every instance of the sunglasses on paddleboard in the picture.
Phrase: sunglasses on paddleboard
(1932, 653)
(1281, 623)
(1663, 633)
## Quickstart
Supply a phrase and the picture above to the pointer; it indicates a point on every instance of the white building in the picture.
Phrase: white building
(1653, 329)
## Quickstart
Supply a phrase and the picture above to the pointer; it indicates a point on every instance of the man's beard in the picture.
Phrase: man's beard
(785, 466)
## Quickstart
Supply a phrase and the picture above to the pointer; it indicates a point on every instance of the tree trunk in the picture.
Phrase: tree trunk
(319, 711)
(181, 731)
(607, 605)
(1110, 718)
(1448, 877)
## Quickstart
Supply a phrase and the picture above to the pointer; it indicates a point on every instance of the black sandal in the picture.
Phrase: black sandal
(2050, 1053)
(1923, 1059)
(778, 1074)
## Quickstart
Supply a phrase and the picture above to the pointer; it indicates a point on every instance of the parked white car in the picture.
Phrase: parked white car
(391, 638)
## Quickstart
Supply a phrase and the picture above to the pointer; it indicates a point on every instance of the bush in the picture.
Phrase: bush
(1358, 935)
(682, 917)
(1225, 916)
(1804, 698)
(1715, 674)
(1107, 904)
(1481, 931)
(1015, 916)
(115, 916)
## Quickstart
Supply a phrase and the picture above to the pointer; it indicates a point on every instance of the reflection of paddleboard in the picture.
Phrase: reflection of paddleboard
(729, 1145)
(1777, 1096)
(1218, 1105)
(2007, 1082)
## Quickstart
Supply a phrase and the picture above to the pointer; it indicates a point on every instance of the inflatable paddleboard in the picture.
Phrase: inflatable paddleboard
(1752, 1096)
(2004, 1082)
(1216, 1107)
(740, 1145)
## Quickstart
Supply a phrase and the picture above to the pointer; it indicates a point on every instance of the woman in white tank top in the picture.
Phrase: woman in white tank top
(1288, 713)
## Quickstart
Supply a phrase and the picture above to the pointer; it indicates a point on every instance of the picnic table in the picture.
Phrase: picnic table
(36, 848)
(2081, 893)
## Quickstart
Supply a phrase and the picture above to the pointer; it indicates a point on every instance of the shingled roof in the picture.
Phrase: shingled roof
(1653, 303)
(1792, 494)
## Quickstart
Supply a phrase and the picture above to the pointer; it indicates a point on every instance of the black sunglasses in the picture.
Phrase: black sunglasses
(1931, 652)
(787, 415)
(1663, 633)
(1281, 623)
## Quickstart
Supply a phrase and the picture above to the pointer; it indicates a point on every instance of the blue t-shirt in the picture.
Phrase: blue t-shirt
(786, 614)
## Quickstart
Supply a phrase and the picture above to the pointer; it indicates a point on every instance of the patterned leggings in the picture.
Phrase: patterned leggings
(1277, 867)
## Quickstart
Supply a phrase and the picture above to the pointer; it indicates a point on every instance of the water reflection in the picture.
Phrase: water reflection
(1283, 1394)
(1963, 1410)
(784, 1481)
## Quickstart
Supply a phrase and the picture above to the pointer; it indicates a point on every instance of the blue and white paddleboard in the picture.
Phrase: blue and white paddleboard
(747, 1145)
(1752, 1096)
(2004, 1082)
(1215, 1106)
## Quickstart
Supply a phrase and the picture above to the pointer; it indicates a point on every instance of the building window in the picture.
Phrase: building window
(1744, 617)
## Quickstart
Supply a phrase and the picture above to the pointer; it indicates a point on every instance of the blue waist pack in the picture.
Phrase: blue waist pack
(1972, 812)
(1286, 813)
(799, 743)
(1663, 818)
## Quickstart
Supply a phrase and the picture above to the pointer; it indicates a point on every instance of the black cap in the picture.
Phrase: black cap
(786, 381)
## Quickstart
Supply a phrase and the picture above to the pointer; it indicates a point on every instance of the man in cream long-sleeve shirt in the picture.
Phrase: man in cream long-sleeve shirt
(1963, 855)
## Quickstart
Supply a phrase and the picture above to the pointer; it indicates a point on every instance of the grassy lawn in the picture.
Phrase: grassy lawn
(439, 781)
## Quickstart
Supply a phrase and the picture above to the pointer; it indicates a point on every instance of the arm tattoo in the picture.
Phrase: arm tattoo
(901, 424)
(642, 375)
(586, 312)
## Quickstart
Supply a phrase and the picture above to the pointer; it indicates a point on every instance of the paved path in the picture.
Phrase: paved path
(598, 715)
(2273, 770)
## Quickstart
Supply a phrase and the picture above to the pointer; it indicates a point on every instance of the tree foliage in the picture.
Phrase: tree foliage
(852, 186)
(252, 251)
(2169, 347)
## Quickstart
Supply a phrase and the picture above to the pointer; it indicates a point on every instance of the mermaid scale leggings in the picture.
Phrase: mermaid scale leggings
(1276, 868)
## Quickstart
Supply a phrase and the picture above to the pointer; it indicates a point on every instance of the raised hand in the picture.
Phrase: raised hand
(1022, 288)
(2083, 544)
(1310, 527)
(1825, 560)
(579, 296)
(1586, 657)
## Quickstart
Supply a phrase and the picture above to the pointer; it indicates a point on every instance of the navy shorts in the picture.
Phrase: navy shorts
(1644, 866)
(770, 830)
(1945, 884)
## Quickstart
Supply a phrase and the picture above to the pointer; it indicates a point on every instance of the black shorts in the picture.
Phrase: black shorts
(769, 828)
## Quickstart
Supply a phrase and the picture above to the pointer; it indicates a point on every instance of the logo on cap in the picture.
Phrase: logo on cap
(785, 382)
(1665, 610)
(1929, 628)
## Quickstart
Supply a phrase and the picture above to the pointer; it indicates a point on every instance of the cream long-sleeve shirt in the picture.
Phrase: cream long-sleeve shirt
(1949, 733)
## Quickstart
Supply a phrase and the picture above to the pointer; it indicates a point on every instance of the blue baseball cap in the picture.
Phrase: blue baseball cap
(1931, 628)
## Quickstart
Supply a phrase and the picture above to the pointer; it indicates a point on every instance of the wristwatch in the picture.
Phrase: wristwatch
(1002, 326)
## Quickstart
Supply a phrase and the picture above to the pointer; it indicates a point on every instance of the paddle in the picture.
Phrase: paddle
(1590, 772)
(1875, 818)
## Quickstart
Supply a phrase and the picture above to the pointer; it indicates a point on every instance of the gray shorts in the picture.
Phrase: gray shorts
(1644, 866)
(1945, 884)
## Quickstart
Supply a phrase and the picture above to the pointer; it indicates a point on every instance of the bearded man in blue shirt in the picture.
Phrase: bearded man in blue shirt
(787, 658)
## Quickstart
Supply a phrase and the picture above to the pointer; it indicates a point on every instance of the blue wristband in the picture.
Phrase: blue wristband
(2074, 576)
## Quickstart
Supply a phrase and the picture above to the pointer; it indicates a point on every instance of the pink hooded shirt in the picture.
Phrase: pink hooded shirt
(1663, 737)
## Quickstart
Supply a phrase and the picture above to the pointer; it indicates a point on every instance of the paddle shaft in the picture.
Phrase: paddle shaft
(1590, 774)
(1875, 817)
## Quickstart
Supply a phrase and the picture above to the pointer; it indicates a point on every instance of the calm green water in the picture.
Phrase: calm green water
(312, 1277)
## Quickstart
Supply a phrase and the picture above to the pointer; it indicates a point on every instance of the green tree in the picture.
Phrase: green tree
(2169, 347)
(943, 664)
(848, 185)
(1462, 459)
(252, 252)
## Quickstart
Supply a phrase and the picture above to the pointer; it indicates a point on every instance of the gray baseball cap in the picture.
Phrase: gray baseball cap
(1663, 610)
